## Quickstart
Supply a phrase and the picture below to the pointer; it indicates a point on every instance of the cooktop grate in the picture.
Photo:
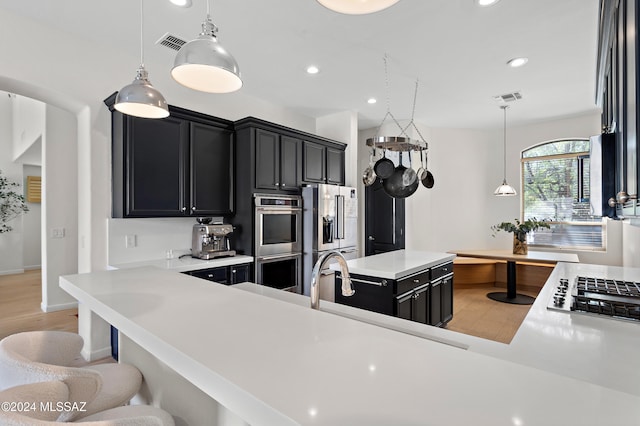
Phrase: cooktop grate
(606, 286)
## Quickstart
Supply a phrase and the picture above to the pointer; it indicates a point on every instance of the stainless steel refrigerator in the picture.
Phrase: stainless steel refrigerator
(330, 222)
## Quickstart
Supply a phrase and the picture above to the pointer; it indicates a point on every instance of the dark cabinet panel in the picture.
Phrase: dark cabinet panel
(155, 162)
(211, 171)
(435, 311)
(313, 162)
(404, 306)
(420, 305)
(289, 163)
(224, 274)
(267, 159)
(335, 166)
(447, 299)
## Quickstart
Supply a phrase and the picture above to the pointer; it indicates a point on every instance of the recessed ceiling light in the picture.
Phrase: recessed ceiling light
(486, 2)
(181, 3)
(372, 100)
(517, 62)
(313, 69)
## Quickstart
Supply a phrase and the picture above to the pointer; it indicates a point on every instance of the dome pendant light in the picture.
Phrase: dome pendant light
(357, 7)
(140, 98)
(203, 64)
(505, 190)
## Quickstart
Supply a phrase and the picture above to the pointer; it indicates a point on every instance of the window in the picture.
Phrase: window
(555, 179)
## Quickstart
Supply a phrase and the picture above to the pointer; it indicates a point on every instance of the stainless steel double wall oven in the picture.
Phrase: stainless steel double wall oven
(278, 241)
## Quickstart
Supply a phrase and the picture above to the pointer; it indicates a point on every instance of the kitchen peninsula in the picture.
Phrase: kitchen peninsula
(270, 361)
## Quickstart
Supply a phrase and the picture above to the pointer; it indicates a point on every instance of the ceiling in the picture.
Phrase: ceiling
(454, 48)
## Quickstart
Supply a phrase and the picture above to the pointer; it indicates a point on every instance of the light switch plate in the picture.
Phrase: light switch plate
(57, 232)
(130, 241)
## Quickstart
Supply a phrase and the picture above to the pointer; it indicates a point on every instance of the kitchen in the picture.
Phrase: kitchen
(94, 231)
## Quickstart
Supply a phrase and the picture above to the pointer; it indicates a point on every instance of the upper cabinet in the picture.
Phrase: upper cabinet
(274, 158)
(181, 165)
(618, 82)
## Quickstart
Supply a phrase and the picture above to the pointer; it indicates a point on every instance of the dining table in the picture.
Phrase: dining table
(511, 296)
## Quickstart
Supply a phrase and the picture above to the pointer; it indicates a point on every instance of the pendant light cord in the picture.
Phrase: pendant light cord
(504, 150)
(141, 33)
(208, 10)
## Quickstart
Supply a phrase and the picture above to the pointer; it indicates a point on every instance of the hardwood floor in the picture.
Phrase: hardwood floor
(474, 313)
(20, 297)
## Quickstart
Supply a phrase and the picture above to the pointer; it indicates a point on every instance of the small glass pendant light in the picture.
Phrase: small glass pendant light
(203, 64)
(140, 98)
(357, 7)
(505, 190)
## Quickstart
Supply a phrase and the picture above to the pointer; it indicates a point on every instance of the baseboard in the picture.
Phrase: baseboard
(32, 267)
(12, 272)
(60, 307)
(97, 354)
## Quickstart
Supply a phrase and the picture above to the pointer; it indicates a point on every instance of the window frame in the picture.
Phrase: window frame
(580, 156)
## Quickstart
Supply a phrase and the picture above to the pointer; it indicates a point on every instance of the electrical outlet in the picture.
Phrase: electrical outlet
(130, 241)
(57, 232)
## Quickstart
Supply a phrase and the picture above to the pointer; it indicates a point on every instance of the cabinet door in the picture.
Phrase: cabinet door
(267, 150)
(211, 171)
(239, 273)
(289, 163)
(435, 314)
(155, 161)
(420, 305)
(335, 166)
(404, 306)
(313, 163)
(447, 299)
(218, 275)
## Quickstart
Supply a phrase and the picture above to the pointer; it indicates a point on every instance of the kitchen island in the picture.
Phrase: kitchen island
(409, 284)
(273, 362)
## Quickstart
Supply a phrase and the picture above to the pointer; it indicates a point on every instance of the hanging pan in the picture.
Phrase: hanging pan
(384, 167)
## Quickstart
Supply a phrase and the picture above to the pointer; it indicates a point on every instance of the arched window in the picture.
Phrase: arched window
(555, 187)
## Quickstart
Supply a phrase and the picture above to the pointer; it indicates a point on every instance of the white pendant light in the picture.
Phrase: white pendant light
(357, 7)
(505, 190)
(140, 98)
(203, 64)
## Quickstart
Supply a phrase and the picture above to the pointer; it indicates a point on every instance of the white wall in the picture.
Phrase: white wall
(32, 226)
(10, 242)
(27, 124)
(60, 206)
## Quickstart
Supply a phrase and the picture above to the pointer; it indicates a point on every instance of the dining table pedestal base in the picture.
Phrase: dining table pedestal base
(511, 296)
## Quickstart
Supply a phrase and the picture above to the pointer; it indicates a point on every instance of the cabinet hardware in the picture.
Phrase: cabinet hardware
(416, 281)
(284, 184)
(371, 238)
(382, 283)
(184, 209)
(193, 208)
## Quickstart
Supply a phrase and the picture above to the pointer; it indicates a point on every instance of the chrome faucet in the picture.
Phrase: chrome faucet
(347, 288)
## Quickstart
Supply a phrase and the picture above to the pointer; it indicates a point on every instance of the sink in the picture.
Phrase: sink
(385, 321)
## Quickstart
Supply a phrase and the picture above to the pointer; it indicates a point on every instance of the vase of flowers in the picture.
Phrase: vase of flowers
(520, 231)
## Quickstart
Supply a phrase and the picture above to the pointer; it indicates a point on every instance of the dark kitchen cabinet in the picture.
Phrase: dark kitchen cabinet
(335, 166)
(277, 163)
(181, 165)
(313, 163)
(420, 297)
(322, 164)
(227, 275)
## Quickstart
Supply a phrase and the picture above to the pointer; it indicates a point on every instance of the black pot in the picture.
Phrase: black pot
(394, 187)
(384, 167)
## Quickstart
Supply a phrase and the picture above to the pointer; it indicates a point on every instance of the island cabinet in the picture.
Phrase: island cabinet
(181, 165)
(425, 296)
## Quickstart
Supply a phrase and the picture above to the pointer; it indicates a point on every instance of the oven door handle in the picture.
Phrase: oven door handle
(279, 210)
(279, 256)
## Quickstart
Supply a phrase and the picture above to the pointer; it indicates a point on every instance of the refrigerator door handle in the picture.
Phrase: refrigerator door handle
(340, 217)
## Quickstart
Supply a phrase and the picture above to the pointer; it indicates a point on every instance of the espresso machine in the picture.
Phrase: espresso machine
(211, 240)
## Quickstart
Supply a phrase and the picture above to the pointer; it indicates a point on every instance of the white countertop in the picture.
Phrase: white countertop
(273, 362)
(187, 263)
(396, 264)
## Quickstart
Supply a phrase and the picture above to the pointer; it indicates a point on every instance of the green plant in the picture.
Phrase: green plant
(12, 204)
(520, 229)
